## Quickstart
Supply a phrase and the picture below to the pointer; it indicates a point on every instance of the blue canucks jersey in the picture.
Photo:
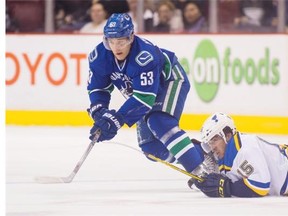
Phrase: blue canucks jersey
(140, 77)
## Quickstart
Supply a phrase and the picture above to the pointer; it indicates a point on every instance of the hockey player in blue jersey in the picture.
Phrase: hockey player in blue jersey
(249, 165)
(155, 87)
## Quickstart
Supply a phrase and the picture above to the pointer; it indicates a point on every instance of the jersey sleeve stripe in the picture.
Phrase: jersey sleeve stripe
(284, 149)
(178, 89)
(147, 100)
(258, 187)
(238, 144)
(284, 188)
(108, 89)
(167, 67)
(144, 93)
(173, 91)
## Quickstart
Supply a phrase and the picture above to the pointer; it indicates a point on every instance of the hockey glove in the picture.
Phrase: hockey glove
(109, 123)
(96, 111)
(214, 185)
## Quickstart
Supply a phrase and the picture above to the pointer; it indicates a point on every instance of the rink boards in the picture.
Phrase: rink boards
(242, 75)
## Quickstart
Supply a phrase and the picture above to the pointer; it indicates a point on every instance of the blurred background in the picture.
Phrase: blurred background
(176, 16)
(235, 53)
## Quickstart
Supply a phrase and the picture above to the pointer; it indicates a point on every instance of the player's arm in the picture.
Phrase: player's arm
(107, 121)
(145, 86)
(251, 173)
(240, 189)
(99, 91)
(218, 185)
(99, 83)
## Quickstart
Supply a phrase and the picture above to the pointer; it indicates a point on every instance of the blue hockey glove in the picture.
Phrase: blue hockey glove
(109, 123)
(96, 111)
(214, 185)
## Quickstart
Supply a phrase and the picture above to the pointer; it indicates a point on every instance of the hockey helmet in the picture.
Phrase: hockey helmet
(215, 125)
(119, 25)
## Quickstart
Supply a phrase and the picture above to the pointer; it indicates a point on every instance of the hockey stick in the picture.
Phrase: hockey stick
(161, 161)
(173, 166)
(69, 178)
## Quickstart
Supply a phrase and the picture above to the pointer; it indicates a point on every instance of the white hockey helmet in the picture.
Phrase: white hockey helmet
(215, 125)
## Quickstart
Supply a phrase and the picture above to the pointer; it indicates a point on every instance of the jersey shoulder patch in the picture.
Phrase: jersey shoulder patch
(98, 52)
(98, 59)
(93, 55)
(143, 58)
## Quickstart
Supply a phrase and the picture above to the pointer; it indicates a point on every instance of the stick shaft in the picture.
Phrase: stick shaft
(81, 161)
(84, 156)
(68, 179)
(173, 166)
(161, 161)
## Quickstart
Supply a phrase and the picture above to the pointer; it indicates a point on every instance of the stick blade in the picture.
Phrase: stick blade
(51, 180)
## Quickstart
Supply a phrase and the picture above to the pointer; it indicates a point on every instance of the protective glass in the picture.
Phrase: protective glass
(119, 42)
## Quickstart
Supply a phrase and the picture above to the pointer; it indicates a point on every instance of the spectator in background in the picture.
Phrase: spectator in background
(11, 23)
(60, 17)
(203, 4)
(70, 15)
(98, 16)
(147, 15)
(66, 23)
(25, 16)
(165, 13)
(228, 10)
(256, 15)
(167, 18)
(180, 4)
(193, 19)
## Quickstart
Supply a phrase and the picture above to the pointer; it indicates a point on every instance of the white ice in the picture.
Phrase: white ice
(114, 180)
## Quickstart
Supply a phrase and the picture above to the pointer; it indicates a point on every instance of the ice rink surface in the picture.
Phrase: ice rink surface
(114, 180)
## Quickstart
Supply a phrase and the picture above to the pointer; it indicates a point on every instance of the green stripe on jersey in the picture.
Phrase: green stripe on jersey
(167, 67)
(108, 89)
(147, 99)
(172, 97)
(180, 145)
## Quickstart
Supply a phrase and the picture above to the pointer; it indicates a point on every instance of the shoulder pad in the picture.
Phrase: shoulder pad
(143, 58)
(93, 55)
(98, 59)
(99, 49)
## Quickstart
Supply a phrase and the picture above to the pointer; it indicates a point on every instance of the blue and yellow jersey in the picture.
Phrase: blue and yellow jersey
(260, 165)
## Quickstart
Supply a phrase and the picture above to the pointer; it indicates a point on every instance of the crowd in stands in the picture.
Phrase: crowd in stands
(159, 16)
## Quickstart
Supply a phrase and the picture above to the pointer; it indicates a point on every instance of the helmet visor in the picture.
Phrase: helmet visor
(119, 42)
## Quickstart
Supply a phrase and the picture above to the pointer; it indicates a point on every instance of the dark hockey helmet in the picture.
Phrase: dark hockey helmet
(119, 25)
